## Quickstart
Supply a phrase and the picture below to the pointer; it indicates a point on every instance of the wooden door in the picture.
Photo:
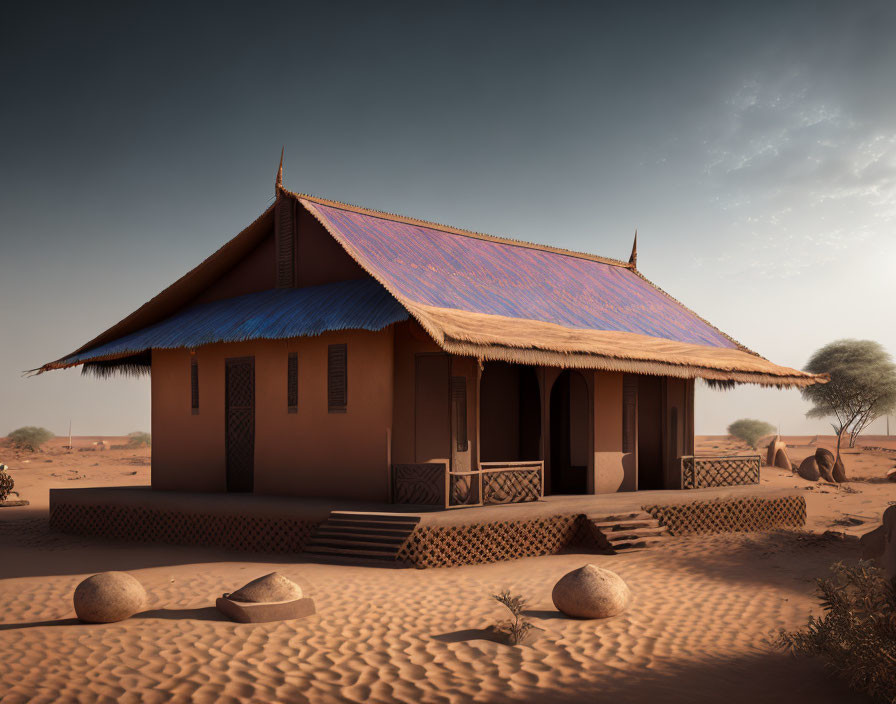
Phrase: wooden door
(239, 420)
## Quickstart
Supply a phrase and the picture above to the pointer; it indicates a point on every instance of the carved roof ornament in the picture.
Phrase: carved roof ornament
(278, 183)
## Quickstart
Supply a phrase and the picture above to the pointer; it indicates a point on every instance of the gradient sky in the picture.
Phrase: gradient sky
(753, 145)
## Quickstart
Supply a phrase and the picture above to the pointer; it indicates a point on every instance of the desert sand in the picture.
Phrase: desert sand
(700, 629)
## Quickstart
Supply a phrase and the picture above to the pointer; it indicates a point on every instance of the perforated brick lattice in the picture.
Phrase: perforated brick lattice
(136, 523)
(448, 546)
(731, 515)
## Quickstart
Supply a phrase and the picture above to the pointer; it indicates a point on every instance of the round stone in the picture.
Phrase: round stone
(109, 597)
(591, 592)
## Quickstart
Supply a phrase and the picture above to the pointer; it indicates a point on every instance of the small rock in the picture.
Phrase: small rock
(891, 475)
(108, 597)
(591, 592)
(809, 469)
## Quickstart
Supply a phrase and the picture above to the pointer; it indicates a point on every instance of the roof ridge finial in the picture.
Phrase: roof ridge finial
(633, 260)
(278, 183)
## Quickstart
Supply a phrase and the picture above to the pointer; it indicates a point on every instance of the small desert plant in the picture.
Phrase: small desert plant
(139, 439)
(29, 437)
(6, 483)
(750, 431)
(516, 629)
(856, 636)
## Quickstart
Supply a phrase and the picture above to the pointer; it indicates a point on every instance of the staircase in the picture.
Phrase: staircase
(628, 531)
(351, 537)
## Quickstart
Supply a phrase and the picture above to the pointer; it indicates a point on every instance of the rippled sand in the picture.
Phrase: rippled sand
(698, 630)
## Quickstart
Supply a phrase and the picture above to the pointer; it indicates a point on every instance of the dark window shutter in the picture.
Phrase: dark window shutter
(194, 386)
(337, 378)
(285, 241)
(459, 409)
(629, 412)
(292, 382)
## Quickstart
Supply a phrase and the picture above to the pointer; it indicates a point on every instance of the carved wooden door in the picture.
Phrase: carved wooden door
(239, 419)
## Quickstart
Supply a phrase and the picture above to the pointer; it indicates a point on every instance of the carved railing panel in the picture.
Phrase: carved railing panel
(419, 483)
(463, 489)
(512, 482)
(700, 472)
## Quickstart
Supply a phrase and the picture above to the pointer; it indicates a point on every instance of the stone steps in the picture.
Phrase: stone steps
(349, 537)
(628, 531)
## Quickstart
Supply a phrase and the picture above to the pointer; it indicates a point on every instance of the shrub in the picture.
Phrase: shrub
(139, 439)
(750, 431)
(514, 630)
(856, 636)
(29, 437)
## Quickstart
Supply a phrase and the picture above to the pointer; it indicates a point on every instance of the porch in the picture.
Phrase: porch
(433, 536)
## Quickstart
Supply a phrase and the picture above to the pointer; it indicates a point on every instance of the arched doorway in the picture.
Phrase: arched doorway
(510, 413)
(569, 434)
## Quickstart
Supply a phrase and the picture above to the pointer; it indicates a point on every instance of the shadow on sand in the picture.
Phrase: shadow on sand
(205, 613)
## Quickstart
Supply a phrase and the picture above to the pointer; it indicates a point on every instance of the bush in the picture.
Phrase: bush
(750, 431)
(514, 631)
(29, 437)
(856, 636)
(139, 439)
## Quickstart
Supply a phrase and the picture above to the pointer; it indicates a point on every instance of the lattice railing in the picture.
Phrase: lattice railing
(431, 483)
(703, 471)
(511, 483)
(497, 483)
(422, 483)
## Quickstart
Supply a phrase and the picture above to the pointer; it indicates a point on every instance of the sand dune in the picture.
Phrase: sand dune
(705, 612)
(697, 631)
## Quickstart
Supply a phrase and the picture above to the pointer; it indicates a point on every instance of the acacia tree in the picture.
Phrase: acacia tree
(750, 431)
(862, 386)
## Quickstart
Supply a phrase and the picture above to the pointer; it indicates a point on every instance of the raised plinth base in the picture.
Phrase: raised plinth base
(248, 612)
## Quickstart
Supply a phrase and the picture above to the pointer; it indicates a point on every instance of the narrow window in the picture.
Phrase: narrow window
(337, 378)
(292, 382)
(194, 387)
(459, 410)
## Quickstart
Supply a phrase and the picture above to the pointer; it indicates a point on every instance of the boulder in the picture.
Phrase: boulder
(109, 597)
(809, 469)
(782, 460)
(891, 475)
(829, 468)
(271, 587)
(879, 545)
(591, 592)
(775, 446)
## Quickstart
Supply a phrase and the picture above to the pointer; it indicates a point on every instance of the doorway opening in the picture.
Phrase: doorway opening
(509, 413)
(569, 434)
(650, 432)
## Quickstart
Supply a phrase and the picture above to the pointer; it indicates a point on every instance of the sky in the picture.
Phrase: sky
(753, 146)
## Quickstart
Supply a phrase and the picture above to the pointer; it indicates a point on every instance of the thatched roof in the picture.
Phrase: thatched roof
(487, 297)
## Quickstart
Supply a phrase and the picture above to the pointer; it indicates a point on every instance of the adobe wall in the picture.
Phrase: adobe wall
(319, 258)
(256, 272)
(309, 453)
(614, 470)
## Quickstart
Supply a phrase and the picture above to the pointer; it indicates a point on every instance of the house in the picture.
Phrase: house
(334, 351)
